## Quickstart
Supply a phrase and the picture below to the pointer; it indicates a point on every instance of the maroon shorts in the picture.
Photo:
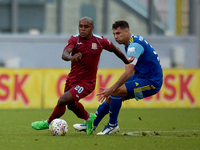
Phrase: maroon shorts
(79, 89)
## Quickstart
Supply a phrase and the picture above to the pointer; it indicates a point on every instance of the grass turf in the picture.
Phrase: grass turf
(139, 129)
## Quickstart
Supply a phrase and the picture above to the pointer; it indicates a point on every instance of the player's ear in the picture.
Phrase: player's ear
(127, 30)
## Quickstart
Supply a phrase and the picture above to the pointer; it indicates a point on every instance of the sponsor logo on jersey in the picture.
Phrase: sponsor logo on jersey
(136, 83)
(94, 46)
(79, 43)
(131, 50)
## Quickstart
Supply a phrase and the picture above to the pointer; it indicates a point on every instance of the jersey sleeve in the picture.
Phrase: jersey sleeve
(136, 50)
(107, 44)
(71, 43)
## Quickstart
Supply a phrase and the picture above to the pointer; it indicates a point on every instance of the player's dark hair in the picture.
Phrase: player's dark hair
(120, 23)
(87, 18)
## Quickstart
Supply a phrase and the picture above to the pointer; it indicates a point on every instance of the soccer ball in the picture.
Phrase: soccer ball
(58, 127)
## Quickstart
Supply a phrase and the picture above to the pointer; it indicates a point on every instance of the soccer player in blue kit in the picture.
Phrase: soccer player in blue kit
(141, 78)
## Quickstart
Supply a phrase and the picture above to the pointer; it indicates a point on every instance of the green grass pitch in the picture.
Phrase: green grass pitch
(140, 129)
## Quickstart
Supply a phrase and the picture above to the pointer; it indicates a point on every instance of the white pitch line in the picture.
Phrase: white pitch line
(165, 131)
(153, 133)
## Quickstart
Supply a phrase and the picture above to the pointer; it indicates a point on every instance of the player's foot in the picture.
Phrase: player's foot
(81, 127)
(40, 125)
(109, 130)
(90, 124)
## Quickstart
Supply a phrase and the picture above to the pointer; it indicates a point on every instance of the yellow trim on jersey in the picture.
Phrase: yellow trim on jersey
(144, 88)
(131, 40)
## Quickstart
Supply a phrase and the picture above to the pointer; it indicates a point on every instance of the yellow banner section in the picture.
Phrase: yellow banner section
(180, 89)
(53, 87)
(20, 88)
(55, 80)
(36, 88)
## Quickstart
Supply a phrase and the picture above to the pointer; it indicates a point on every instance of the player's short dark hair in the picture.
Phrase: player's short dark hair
(87, 18)
(120, 23)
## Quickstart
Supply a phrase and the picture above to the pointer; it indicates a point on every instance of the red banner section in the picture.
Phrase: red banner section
(36, 88)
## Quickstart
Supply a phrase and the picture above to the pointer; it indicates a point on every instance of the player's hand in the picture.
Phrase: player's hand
(76, 57)
(105, 94)
(130, 59)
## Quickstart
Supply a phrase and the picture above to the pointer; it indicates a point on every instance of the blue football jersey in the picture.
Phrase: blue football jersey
(148, 63)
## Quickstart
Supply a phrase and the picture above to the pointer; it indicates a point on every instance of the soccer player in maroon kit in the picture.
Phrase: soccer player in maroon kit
(83, 50)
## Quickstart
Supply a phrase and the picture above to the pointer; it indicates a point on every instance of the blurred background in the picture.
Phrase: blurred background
(33, 33)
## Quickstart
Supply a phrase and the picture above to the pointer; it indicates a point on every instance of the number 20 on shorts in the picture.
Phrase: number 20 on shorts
(79, 89)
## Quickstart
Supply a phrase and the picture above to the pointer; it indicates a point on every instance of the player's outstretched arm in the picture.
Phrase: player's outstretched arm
(129, 71)
(119, 54)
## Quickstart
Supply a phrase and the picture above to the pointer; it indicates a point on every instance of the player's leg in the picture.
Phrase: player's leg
(115, 105)
(111, 106)
(60, 108)
(78, 92)
(113, 109)
(102, 110)
(79, 110)
(58, 111)
(141, 88)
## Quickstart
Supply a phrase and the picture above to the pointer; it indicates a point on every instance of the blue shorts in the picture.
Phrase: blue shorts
(140, 88)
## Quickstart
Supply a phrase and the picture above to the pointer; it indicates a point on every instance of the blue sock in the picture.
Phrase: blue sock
(115, 105)
(102, 110)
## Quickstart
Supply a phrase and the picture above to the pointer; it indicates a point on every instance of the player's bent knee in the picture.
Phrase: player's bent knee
(65, 99)
(71, 107)
(64, 102)
(61, 102)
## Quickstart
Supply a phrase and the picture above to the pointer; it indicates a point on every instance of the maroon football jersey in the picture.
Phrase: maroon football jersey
(86, 68)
